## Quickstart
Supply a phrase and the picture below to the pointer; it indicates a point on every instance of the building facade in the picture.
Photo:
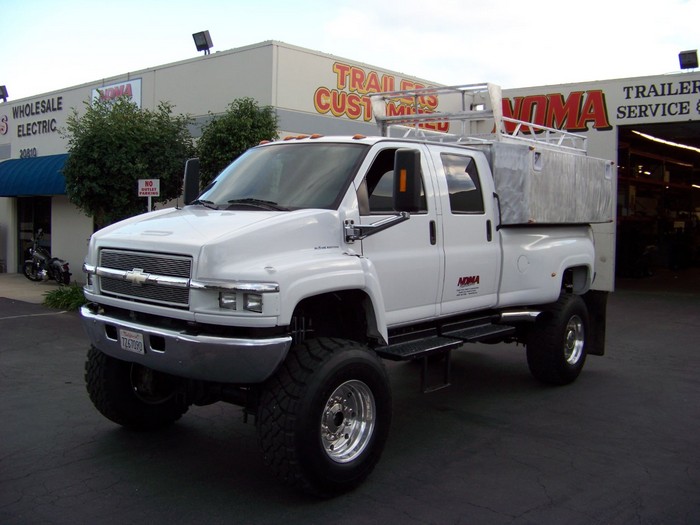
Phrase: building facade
(310, 91)
(314, 92)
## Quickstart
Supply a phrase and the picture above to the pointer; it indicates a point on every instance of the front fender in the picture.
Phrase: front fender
(342, 272)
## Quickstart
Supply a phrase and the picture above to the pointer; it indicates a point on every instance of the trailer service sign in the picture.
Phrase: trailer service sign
(644, 102)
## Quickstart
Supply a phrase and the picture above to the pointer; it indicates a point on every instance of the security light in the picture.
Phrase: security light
(203, 41)
(688, 59)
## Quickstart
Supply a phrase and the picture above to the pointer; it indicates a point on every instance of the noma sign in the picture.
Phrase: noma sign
(130, 89)
(572, 113)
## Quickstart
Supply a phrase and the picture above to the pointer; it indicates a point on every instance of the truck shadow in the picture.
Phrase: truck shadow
(212, 455)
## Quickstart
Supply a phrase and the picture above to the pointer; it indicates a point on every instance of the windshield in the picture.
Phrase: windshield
(286, 176)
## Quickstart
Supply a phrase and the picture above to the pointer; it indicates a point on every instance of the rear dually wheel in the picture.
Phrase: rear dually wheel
(556, 345)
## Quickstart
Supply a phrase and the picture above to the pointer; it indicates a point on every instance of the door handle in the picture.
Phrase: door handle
(433, 233)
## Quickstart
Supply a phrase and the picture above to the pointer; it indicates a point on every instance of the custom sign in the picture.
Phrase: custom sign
(349, 97)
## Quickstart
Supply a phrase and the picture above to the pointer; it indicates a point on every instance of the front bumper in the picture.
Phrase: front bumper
(203, 357)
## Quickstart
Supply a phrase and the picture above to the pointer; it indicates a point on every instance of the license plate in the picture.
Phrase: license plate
(131, 341)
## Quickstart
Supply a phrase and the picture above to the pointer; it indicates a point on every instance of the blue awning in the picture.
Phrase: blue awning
(36, 176)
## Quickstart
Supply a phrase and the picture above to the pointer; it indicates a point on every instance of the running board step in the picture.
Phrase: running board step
(441, 345)
(474, 334)
(415, 349)
(410, 350)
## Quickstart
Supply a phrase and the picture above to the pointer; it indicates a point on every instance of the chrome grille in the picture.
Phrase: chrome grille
(152, 263)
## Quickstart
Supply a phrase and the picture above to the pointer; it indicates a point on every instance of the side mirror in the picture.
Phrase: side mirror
(191, 183)
(407, 182)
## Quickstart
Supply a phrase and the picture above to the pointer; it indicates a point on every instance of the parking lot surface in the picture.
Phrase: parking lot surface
(618, 446)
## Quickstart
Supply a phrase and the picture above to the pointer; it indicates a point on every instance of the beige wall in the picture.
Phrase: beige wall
(70, 233)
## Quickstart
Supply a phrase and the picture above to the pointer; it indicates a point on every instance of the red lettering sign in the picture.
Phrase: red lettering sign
(573, 113)
(111, 93)
(350, 97)
(468, 281)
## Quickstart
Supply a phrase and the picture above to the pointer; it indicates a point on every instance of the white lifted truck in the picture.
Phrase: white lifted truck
(285, 282)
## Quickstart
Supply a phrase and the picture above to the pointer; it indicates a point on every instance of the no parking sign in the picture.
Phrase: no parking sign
(149, 188)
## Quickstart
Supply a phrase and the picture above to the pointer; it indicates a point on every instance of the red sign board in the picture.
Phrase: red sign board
(149, 187)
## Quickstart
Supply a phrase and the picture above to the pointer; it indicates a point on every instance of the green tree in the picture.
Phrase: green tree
(112, 145)
(244, 125)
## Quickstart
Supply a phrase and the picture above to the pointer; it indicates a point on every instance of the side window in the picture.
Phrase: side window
(462, 183)
(379, 183)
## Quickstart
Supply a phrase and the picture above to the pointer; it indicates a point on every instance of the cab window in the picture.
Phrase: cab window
(376, 192)
(462, 183)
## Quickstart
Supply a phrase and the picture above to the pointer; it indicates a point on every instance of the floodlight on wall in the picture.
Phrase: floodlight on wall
(688, 59)
(203, 41)
(3, 93)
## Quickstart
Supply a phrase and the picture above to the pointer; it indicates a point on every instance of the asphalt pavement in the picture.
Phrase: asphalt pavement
(618, 446)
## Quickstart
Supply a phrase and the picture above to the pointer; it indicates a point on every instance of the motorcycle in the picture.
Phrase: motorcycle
(42, 267)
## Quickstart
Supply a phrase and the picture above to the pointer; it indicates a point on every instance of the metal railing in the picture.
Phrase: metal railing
(466, 114)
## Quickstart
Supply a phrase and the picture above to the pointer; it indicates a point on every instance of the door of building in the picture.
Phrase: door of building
(32, 213)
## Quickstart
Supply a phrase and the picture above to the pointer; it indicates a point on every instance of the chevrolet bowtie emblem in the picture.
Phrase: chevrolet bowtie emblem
(137, 276)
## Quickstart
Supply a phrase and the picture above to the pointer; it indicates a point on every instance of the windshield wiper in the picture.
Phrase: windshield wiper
(259, 203)
(206, 204)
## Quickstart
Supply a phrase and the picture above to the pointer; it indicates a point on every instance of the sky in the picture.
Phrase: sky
(49, 45)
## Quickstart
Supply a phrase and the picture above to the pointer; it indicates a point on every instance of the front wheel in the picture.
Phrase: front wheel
(556, 345)
(132, 395)
(324, 417)
(29, 271)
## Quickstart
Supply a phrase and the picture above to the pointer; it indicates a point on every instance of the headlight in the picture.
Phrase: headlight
(242, 296)
(253, 302)
(227, 300)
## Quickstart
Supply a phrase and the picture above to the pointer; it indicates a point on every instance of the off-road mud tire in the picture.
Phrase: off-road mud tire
(325, 385)
(122, 398)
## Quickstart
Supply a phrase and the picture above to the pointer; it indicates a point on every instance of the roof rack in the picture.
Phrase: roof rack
(466, 114)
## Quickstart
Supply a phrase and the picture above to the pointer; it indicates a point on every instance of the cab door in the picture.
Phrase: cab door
(468, 238)
(406, 256)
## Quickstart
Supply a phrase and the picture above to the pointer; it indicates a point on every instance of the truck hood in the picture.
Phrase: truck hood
(220, 241)
(187, 227)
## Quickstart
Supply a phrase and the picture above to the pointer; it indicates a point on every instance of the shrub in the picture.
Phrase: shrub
(65, 297)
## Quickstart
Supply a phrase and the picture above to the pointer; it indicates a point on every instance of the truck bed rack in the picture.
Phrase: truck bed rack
(472, 112)
(541, 175)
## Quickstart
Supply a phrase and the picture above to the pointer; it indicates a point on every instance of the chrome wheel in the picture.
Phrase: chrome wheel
(556, 344)
(574, 340)
(348, 421)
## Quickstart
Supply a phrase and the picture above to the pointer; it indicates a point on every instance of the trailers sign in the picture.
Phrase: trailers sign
(349, 97)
